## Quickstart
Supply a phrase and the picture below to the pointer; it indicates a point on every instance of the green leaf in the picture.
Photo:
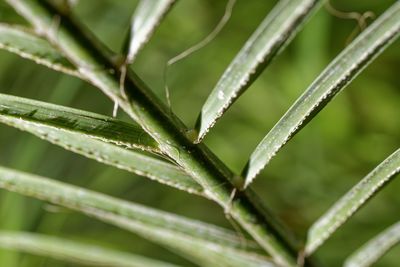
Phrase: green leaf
(274, 32)
(92, 125)
(143, 106)
(199, 241)
(147, 17)
(27, 44)
(374, 249)
(352, 201)
(13, 207)
(72, 251)
(95, 136)
(354, 58)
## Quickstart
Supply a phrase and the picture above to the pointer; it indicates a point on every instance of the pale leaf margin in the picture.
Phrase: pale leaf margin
(374, 249)
(198, 241)
(274, 32)
(95, 136)
(28, 44)
(147, 16)
(351, 202)
(343, 69)
(73, 251)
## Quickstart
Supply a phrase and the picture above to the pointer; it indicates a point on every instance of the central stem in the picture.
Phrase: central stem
(156, 119)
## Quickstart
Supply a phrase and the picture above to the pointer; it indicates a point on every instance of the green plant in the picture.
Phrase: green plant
(162, 148)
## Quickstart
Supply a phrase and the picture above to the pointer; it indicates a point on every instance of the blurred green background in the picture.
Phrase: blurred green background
(356, 131)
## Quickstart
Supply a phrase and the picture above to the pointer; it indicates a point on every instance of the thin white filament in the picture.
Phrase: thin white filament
(361, 18)
(225, 18)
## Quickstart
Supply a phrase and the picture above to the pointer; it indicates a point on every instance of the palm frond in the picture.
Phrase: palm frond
(374, 249)
(352, 201)
(95, 136)
(277, 29)
(200, 242)
(346, 66)
(28, 44)
(147, 17)
(73, 251)
(143, 106)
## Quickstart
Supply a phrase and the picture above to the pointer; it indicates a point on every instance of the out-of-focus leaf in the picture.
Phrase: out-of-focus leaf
(95, 136)
(72, 251)
(374, 249)
(366, 47)
(29, 45)
(270, 37)
(13, 207)
(197, 241)
(145, 20)
(352, 201)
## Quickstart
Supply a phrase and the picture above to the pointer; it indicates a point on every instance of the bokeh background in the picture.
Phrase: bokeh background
(356, 131)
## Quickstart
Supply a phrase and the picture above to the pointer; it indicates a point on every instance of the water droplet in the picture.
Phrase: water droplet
(221, 95)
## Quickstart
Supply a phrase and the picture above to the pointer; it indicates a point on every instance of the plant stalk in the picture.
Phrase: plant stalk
(135, 98)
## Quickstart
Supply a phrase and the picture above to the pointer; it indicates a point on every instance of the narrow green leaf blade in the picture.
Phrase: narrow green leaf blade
(354, 58)
(374, 249)
(95, 136)
(29, 45)
(274, 32)
(72, 251)
(199, 241)
(352, 201)
(92, 125)
(147, 17)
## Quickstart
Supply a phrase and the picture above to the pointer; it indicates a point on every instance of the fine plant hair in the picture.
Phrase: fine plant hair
(156, 143)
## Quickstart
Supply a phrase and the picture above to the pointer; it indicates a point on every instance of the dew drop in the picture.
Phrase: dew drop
(221, 95)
